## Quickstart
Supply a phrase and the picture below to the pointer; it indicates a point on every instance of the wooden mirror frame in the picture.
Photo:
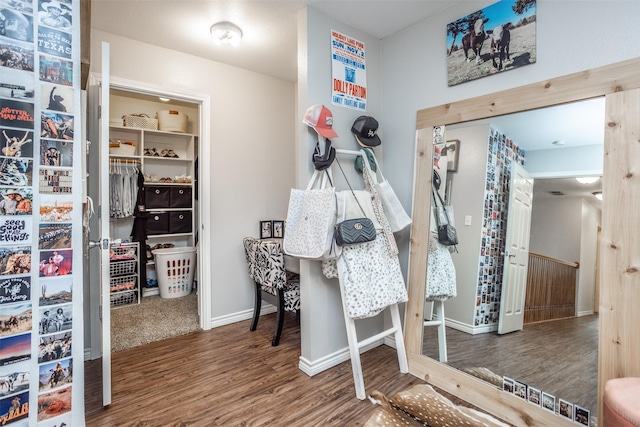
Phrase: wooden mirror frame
(619, 343)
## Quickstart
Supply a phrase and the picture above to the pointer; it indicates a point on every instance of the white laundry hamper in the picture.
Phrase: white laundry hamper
(175, 269)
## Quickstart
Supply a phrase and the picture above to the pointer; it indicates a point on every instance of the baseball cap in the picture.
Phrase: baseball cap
(320, 118)
(372, 161)
(365, 129)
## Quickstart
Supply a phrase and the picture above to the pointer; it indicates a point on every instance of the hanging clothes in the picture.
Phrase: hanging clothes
(441, 273)
(123, 186)
(139, 230)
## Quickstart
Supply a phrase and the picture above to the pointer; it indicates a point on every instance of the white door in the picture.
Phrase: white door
(516, 256)
(105, 302)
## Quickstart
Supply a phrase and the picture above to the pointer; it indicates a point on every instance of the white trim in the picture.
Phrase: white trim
(469, 329)
(240, 316)
(585, 313)
(329, 361)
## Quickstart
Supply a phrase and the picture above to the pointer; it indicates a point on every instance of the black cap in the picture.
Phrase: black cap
(365, 129)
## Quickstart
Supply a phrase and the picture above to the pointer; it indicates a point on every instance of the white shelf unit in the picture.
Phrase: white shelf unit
(179, 219)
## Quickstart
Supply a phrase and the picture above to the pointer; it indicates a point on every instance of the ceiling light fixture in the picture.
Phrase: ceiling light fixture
(226, 33)
(598, 195)
(587, 179)
(164, 99)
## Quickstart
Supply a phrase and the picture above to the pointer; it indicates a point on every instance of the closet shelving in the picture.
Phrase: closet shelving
(167, 161)
(124, 272)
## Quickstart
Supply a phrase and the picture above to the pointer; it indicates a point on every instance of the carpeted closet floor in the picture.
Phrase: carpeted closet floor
(154, 319)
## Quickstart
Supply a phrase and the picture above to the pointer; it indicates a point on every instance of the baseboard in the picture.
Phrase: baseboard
(327, 362)
(585, 313)
(469, 329)
(241, 315)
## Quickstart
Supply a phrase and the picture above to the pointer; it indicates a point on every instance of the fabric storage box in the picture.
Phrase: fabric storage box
(140, 121)
(157, 223)
(172, 121)
(156, 197)
(180, 222)
(126, 148)
(180, 197)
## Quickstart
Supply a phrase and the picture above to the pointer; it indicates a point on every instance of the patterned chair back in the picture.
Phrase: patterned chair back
(265, 259)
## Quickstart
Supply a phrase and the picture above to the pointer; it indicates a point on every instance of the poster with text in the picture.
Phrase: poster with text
(15, 289)
(349, 72)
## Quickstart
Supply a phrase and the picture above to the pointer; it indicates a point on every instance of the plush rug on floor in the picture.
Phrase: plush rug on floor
(154, 319)
(421, 405)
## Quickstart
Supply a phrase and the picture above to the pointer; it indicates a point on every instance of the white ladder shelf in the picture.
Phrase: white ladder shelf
(355, 345)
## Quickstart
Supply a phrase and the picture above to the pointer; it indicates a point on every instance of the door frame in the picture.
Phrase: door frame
(205, 286)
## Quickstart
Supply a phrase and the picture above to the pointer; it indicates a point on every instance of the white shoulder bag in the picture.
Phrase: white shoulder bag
(393, 210)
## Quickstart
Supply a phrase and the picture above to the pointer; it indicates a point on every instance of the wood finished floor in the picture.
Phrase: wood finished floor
(559, 357)
(229, 376)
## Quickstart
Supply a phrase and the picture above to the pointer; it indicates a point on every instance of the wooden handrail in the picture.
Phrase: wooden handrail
(559, 261)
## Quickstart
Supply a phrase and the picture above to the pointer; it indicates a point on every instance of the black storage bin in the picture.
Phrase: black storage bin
(156, 197)
(157, 223)
(180, 197)
(180, 222)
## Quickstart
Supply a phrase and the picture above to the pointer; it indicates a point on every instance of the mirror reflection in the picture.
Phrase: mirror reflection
(518, 293)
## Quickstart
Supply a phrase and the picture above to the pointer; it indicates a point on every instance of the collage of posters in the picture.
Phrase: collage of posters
(37, 58)
(502, 152)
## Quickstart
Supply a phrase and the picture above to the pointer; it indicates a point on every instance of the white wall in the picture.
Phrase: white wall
(559, 162)
(551, 218)
(467, 200)
(252, 162)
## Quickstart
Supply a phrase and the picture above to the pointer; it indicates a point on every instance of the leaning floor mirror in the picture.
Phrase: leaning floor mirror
(486, 334)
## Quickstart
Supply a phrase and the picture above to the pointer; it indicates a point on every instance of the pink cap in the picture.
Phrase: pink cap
(320, 118)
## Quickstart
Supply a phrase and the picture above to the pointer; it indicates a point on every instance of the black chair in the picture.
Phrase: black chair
(274, 284)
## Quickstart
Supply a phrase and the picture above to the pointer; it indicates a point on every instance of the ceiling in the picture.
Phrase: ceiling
(269, 46)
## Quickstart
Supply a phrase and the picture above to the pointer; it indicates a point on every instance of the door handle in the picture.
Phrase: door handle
(104, 243)
(508, 254)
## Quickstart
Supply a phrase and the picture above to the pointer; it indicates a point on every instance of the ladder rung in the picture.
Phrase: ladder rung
(374, 338)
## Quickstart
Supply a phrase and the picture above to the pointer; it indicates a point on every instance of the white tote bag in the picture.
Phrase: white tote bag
(396, 215)
(311, 218)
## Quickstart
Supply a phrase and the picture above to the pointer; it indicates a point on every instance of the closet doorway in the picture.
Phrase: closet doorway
(128, 98)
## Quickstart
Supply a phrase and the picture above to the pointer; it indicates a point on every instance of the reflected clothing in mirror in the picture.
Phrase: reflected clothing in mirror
(441, 273)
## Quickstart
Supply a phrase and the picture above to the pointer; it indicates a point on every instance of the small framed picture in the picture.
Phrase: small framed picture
(278, 229)
(266, 229)
(507, 384)
(582, 416)
(520, 389)
(549, 402)
(565, 409)
(533, 396)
